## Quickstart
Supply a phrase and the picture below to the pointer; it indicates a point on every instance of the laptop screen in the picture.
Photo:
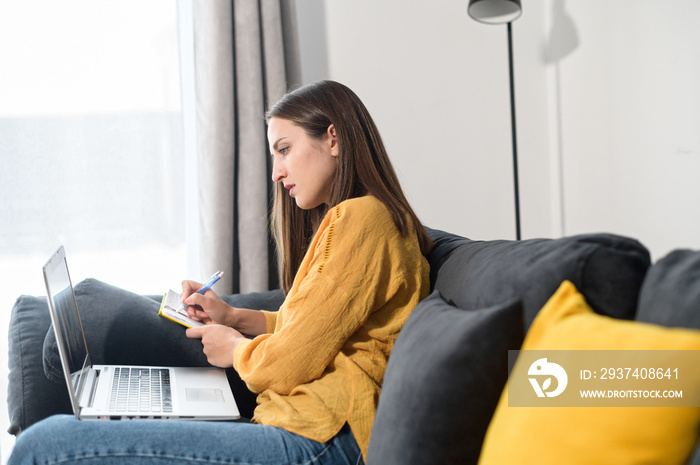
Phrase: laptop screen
(65, 317)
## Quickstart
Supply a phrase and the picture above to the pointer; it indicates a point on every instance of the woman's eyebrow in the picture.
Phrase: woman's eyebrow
(277, 143)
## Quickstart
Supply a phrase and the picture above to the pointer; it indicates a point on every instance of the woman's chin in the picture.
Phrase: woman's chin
(304, 205)
(300, 203)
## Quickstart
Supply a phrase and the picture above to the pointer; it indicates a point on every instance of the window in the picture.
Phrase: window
(91, 145)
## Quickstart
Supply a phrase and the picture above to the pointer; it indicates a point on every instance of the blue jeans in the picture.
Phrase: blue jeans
(64, 440)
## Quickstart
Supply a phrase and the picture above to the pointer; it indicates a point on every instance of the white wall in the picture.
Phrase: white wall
(630, 121)
(436, 83)
(608, 111)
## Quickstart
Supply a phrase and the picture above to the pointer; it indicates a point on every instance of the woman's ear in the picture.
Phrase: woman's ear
(333, 138)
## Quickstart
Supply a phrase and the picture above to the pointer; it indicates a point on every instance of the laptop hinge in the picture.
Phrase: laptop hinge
(88, 394)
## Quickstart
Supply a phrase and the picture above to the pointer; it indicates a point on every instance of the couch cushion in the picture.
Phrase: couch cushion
(670, 294)
(444, 244)
(601, 435)
(442, 383)
(607, 269)
(695, 457)
(30, 395)
(124, 328)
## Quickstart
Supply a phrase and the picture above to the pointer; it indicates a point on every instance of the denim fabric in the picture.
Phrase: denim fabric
(62, 439)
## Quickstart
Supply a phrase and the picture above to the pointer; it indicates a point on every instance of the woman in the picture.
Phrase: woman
(353, 268)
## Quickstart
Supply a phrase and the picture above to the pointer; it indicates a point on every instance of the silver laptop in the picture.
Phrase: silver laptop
(108, 392)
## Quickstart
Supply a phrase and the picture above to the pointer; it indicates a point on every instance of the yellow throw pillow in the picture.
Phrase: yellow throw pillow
(592, 435)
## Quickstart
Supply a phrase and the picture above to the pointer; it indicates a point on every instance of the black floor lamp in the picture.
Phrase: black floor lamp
(500, 12)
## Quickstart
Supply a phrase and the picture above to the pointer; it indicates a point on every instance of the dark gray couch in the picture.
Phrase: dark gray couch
(503, 283)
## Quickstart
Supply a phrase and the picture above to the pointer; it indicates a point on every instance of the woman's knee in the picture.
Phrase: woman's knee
(40, 437)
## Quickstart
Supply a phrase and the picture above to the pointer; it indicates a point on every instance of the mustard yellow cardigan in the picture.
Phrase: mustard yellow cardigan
(322, 362)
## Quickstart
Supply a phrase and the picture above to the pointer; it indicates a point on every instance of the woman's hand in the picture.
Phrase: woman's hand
(218, 341)
(207, 307)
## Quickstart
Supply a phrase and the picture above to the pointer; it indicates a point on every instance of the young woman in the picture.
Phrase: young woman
(353, 268)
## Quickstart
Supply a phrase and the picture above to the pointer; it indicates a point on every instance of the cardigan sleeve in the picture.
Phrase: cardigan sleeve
(270, 320)
(346, 274)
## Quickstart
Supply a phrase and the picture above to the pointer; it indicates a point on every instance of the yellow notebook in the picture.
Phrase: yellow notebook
(168, 309)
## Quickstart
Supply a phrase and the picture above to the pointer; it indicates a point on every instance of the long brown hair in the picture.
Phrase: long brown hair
(363, 168)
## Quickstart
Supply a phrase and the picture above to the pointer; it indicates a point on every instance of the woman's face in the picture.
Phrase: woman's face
(305, 166)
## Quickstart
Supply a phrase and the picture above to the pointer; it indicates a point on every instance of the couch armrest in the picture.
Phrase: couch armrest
(31, 396)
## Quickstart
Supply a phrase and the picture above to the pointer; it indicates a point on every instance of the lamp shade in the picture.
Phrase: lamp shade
(494, 11)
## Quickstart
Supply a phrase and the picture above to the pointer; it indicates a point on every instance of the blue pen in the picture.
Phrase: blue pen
(215, 277)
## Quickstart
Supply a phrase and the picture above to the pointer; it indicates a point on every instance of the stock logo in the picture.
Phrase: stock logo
(547, 370)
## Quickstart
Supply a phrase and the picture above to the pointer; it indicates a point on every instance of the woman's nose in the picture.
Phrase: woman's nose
(277, 171)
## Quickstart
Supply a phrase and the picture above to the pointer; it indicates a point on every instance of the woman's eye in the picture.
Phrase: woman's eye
(283, 150)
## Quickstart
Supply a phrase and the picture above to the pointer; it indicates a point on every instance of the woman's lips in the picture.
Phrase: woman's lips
(290, 187)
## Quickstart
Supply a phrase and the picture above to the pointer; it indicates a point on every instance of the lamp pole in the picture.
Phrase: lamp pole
(516, 184)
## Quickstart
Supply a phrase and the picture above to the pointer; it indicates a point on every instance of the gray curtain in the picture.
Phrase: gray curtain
(241, 51)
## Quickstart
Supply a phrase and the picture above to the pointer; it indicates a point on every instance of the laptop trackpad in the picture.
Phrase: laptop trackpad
(204, 395)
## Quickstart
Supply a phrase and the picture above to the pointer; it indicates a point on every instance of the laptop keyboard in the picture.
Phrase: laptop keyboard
(136, 390)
